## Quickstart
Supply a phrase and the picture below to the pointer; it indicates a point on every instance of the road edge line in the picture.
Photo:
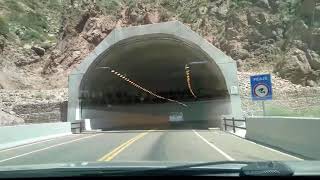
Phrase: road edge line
(46, 139)
(274, 150)
(214, 147)
(42, 149)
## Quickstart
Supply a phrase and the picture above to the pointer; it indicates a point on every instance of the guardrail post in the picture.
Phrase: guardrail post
(233, 125)
(245, 122)
(225, 124)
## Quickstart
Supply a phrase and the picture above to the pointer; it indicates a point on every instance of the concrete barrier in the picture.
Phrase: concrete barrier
(11, 136)
(293, 134)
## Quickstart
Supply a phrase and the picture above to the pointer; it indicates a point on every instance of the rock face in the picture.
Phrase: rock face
(250, 31)
(300, 65)
(295, 67)
(33, 106)
(7, 119)
(42, 113)
(83, 35)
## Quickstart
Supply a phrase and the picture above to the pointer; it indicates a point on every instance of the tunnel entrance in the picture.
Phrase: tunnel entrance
(144, 80)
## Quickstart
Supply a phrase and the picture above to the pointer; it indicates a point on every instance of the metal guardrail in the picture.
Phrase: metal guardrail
(233, 123)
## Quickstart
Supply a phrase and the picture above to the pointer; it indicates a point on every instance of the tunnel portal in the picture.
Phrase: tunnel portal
(141, 77)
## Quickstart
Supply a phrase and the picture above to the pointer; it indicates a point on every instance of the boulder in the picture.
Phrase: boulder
(133, 17)
(294, 67)
(255, 35)
(239, 54)
(315, 39)
(8, 119)
(27, 46)
(307, 7)
(38, 50)
(223, 10)
(227, 46)
(231, 33)
(313, 59)
(151, 18)
(23, 61)
(252, 18)
(203, 10)
(2, 43)
(299, 30)
(274, 4)
(262, 4)
(311, 83)
(299, 44)
(46, 45)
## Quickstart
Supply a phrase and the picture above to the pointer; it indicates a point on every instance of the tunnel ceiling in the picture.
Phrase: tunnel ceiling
(157, 63)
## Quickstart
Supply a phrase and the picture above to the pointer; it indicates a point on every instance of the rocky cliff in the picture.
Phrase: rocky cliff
(278, 36)
(42, 41)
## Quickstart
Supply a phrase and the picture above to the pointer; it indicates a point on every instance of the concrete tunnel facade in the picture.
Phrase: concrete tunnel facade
(123, 82)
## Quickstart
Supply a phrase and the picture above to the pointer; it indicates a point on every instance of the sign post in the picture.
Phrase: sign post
(263, 108)
(261, 89)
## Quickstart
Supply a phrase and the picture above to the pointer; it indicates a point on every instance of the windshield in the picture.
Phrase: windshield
(154, 81)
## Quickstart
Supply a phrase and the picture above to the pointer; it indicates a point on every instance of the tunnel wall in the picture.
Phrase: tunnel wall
(198, 114)
(176, 28)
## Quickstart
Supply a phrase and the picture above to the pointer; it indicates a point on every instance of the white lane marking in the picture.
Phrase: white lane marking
(269, 148)
(38, 150)
(214, 147)
(29, 144)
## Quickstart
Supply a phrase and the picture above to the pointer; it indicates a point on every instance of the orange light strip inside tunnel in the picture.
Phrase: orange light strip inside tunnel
(143, 89)
(188, 81)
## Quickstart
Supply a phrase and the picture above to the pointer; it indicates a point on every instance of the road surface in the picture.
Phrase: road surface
(142, 145)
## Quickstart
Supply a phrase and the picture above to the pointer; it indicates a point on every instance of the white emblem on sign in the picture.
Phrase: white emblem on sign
(261, 90)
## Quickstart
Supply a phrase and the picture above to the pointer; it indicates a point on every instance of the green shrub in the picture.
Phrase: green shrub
(32, 25)
(33, 4)
(311, 112)
(31, 20)
(276, 110)
(54, 4)
(235, 4)
(13, 6)
(30, 35)
(109, 6)
(4, 27)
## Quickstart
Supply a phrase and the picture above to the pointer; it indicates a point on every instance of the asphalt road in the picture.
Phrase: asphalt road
(141, 145)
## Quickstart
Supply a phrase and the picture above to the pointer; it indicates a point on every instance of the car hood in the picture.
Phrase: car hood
(299, 167)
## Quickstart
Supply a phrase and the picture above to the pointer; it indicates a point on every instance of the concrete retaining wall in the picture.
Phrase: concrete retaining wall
(42, 113)
(11, 136)
(293, 134)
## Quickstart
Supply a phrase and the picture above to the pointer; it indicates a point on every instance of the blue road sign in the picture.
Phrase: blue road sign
(261, 87)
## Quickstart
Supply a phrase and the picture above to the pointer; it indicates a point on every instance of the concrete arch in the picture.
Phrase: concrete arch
(124, 42)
